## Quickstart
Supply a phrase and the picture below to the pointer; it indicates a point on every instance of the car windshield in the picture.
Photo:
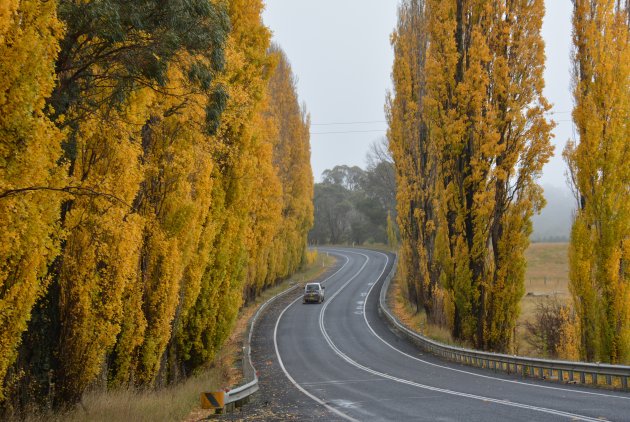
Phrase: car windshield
(312, 287)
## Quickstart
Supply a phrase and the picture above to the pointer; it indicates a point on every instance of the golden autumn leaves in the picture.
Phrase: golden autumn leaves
(190, 183)
(29, 147)
(469, 136)
(600, 173)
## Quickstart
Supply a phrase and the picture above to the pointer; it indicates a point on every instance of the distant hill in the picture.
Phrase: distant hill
(554, 222)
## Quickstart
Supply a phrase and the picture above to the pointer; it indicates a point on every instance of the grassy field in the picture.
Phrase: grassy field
(547, 276)
(180, 402)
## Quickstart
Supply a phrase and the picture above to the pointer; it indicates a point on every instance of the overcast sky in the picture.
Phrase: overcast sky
(341, 55)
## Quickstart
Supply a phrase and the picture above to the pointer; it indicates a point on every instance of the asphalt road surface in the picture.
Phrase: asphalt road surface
(340, 361)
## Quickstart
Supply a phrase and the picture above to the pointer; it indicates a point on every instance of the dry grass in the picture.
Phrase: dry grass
(374, 246)
(547, 269)
(547, 276)
(172, 403)
(414, 319)
(181, 401)
(379, 247)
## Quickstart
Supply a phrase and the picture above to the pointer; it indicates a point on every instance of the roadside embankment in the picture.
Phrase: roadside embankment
(181, 401)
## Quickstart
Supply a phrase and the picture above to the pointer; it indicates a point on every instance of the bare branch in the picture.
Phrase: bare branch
(73, 190)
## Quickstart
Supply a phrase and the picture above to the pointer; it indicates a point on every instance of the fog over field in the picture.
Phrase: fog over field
(554, 222)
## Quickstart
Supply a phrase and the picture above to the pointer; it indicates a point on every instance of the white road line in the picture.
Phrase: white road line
(340, 382)
(337, 351)
(548, 387)
(286, 373)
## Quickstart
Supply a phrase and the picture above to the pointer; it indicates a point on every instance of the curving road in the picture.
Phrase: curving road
(342, 362)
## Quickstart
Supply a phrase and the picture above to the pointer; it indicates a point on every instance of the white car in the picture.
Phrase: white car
(313, 292)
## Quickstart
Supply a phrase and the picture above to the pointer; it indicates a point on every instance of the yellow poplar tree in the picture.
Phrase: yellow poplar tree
(174, 199)
(489, 118)
(210, 318)
(291, 157)
(102, 245)
(468, 133)
(156, 182)
(265, 214)
(112, 65)
(415, 156)
(30, 146)
(600, 239)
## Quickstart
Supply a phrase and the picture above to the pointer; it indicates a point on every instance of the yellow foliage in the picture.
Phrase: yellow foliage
(292, 157)
(569, 347)
(469, 138)
(392, 238)
(311, 256)
(103, 242)
(598, 163)
(261, 197)
(7, 16)
(29, 150)
(184, 189)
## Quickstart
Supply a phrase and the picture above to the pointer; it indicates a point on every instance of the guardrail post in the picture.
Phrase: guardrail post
(608, 379)
(582, 377)
(624, 382)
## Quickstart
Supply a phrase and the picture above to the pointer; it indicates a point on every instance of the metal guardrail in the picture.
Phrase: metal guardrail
(240, 395)
(613, 376)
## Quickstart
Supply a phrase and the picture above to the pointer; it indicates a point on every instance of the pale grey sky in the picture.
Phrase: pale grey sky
(341, 55)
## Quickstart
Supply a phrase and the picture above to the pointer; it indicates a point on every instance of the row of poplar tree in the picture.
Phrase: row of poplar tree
(469, 134)
(154, 175)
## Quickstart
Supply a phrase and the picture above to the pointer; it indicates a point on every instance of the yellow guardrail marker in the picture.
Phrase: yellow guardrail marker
(213, 400)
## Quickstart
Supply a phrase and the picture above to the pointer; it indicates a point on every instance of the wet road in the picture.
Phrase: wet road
(340, 361)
